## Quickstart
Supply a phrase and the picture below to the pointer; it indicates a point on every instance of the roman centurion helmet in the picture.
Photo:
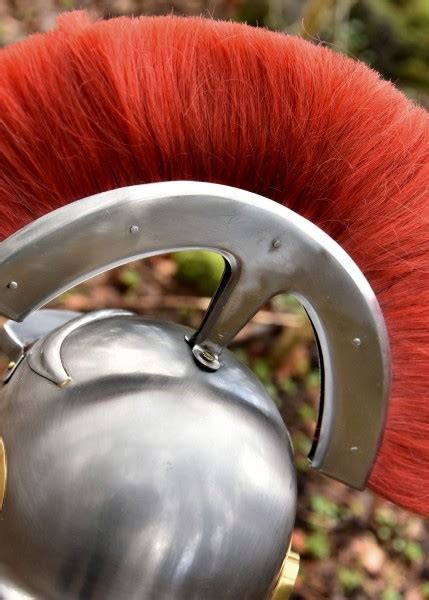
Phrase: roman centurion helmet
(140, 460)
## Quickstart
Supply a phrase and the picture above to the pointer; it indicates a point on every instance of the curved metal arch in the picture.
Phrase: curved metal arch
(269, 250)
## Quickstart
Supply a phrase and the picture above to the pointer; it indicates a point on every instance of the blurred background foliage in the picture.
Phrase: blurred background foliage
(353, 545)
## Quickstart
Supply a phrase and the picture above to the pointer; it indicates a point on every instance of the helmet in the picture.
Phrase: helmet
(141, 459)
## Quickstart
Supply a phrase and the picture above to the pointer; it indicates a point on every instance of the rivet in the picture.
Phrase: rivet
(208, 356)
(11, 365)
(134, 229)
(276, 243)
(357, 342)
(12, 285)
(354, 449)
(3, 472)
(64, 383)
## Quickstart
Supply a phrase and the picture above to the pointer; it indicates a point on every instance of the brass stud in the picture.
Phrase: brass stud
(64, 383)
(3, 472)
(287, 577)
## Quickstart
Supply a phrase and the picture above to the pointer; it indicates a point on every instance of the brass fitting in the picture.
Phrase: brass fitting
(3, 472)
(287, 577)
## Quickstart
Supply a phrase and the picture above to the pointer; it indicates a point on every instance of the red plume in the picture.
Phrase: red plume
(90, 107)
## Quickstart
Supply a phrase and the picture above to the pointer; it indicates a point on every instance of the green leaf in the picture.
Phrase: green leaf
(317, 544)
(324, 507)
(384, 533)
(262, 369)
(391, 594)
(307, 412)
(241, 355)
(288, 303)
(312, 381)
(288, 386)
(302, 464)
(130, 278)
(201, 268)
(399, 544)
(301, 443)
(414, 552)
(385, 516)
(350, 579)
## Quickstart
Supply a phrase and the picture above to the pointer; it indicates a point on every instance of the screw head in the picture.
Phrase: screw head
(276, 243)
(208, 356)
(134, 229)
(12, 285)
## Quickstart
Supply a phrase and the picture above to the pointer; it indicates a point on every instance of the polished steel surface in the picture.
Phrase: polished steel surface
(8, 592)
(268, 249)
(46, 357)
(147, 477)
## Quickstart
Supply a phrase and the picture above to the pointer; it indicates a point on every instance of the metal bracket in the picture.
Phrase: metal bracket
(268, 249)
(16, 338)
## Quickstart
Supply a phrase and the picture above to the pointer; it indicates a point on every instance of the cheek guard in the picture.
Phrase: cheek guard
(141, 459)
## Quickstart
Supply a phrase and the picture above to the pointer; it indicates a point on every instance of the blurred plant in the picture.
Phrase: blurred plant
(263, 370)
(202, 269)
(130, 278)
(301, 445)
(325, 512)
(317, 544)
(349, 579)
(391, 594)
(390, 35)
(396, 536)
